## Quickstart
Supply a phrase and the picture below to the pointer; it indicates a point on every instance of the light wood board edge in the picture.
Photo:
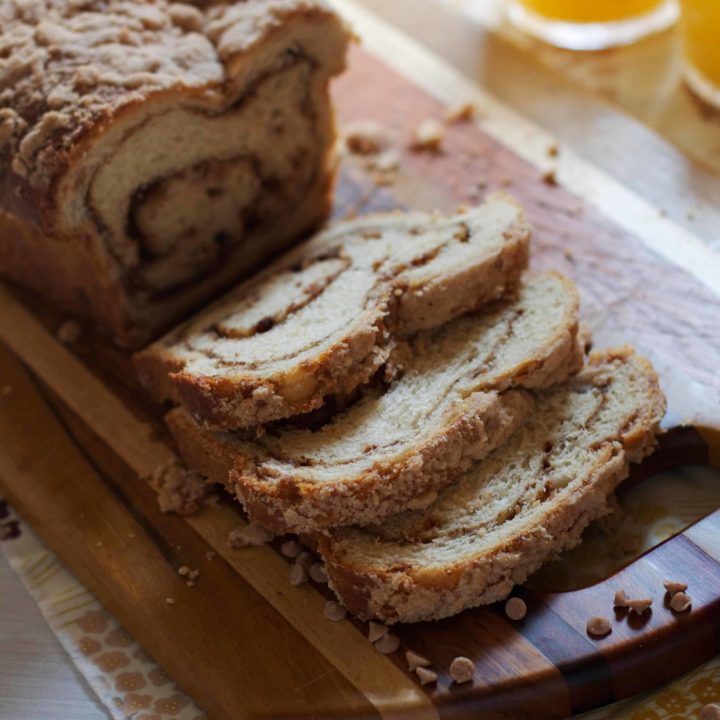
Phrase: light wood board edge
(530, 142)
(384, 685)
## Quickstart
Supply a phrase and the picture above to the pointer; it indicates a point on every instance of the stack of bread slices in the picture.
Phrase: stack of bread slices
(400, 390)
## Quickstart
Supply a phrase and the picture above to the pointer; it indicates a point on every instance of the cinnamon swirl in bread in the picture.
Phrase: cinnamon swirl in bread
(151, 152)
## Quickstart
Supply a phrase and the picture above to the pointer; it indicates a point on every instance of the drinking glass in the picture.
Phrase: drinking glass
(701, 32)
(593, 24)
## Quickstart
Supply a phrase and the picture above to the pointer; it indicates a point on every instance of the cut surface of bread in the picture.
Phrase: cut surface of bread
(505, 516)
(323, 318)
(459, 396)
(152, 152)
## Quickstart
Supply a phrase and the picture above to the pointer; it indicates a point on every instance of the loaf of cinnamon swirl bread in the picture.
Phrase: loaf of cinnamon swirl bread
(151, 152)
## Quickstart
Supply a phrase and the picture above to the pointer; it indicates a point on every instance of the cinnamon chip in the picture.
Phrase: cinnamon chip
(621, 599)
(640, 606)
(376, 631)
(415, 660)
(515, 608)
(462, 669)
(425, 676)
(598, 626)
(335, 611)
(291, 549)
(318, 573)
(673, 587)
(680, 602)
(298, 575)
(387, 644)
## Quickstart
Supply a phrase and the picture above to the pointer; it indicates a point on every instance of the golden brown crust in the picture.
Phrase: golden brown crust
(68, 66)
(79, 79)
(412, 594)
(237, 394)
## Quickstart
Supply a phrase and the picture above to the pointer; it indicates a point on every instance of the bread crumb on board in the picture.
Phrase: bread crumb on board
(365, 137)
(428, 136)
(464, 112)
(249, 536)
(179, 489)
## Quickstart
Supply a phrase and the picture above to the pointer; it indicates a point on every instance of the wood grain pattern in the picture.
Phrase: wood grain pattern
(580, 98)
(80, 435)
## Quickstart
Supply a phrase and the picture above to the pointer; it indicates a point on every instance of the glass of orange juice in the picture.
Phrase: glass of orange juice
(593, 24)
(701, 30)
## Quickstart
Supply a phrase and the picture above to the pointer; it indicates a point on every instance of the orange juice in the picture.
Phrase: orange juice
(592, 24)
(582, 11)
(701, 30)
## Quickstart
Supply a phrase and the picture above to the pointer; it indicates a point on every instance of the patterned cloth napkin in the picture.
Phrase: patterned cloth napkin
(133, 687)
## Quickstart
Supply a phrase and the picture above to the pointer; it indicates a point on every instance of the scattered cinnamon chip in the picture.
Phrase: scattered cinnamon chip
(306, 560)
(428, 136)
(365, 137)
(461, 113)
(179, 490)
(69, 332)
(318, 573)
(680, 602)
(376, 631)
(291, 549)
(673, 587)
(515, 608)
(249, 536)
(416, 660)
(640, 606)
(462, 669)
(426, 676)
(621, 599)
(387, 644)
(334, 611)
(598, 626)
(553, 150)
(298, 575)
(385, 162)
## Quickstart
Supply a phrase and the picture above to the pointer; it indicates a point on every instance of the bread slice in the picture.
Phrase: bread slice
(322, 319)
(454, 403)
(507, 515)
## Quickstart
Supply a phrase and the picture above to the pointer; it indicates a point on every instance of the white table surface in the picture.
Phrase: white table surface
(37, 679)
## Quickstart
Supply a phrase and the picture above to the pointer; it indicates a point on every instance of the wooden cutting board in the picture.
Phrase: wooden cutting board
(79, 436)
